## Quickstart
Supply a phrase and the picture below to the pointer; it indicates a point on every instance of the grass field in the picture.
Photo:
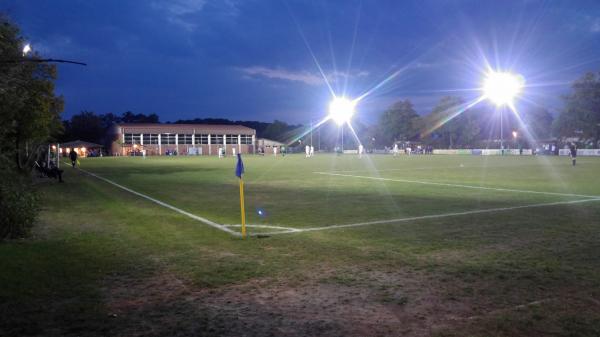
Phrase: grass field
(378, 246)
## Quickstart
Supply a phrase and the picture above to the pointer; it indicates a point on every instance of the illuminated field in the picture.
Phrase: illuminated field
(438, 245)
(329, 191)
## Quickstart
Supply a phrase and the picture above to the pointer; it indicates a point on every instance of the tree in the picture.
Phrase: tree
(539, 122)
(29, 109)
(85, 126)
(130, 117)
(277, 130)
(29, 118)
(449, 124)
(581, 114)
(398, 123)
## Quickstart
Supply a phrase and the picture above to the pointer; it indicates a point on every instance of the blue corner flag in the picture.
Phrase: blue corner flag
(239, 168)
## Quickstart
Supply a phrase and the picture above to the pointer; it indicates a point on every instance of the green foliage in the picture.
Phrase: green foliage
(276, 130)
(85, 126)
(18, 206)
(29, 110)
(581, 115)
(398, 122)
(539, 122)
(29, 118)
(449, 125)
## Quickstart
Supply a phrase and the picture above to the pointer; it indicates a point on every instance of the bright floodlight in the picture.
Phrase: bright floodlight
(26, 49)
(341, 110)
(502, 88)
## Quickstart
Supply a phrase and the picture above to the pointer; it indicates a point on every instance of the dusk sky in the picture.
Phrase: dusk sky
(253, 60)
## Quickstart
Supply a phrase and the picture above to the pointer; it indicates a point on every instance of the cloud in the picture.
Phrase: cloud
(595, 26)
(305, 77)
(282, 74)
(178, 11)
(185, 13)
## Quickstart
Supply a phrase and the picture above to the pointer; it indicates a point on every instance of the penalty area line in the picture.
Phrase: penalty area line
(499, 189)
(434, 216)
(164, 204)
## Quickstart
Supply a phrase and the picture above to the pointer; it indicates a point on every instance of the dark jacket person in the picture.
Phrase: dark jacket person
(73, 157)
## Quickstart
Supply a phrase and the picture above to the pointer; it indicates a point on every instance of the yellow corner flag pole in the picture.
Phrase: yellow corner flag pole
(239, 172)
(243, 211)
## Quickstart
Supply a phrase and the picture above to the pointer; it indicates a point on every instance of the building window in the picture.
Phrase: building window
(133, 138)
(247, 139)
(150, 138)
(231, 139)
(201, 139)
(216, 139)
(185, 139)
(167, 138)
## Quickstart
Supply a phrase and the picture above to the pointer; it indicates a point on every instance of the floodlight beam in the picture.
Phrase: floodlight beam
(341, 110)
(502, 87)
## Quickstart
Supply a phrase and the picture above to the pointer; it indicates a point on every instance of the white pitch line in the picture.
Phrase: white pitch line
(427, 168)
(164, 204)
(434, 216)
(460, 185)
(265, 226)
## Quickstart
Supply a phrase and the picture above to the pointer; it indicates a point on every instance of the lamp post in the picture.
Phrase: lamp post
(501, 88)
(27, 49)
(341, 110)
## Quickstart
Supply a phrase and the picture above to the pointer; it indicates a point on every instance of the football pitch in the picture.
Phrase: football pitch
(293, 194)
(337, 246)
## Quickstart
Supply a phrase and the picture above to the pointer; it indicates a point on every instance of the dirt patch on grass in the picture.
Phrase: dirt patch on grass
(330, 302)
(325, 303)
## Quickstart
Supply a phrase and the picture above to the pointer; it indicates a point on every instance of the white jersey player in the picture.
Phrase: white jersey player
(395, 151)
(361, 149)
(307, 150)
(312, 151)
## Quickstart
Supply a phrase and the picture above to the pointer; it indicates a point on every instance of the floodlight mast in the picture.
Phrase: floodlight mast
(341, 110)
(501, 88)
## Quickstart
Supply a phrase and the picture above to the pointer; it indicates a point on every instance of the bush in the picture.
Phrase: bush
(18, 207)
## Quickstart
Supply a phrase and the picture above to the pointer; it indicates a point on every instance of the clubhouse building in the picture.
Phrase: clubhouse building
(182, 139)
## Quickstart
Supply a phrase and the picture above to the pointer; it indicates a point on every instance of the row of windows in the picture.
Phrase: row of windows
(170, 138)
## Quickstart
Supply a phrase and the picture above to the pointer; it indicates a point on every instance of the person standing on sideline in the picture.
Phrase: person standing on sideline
(395, 149)
(360, 150)
(73, 157)
(573, 152)
(275, 151)
(307, 150)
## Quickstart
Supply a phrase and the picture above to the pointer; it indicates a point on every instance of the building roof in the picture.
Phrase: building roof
(185, 128)
(80, 143)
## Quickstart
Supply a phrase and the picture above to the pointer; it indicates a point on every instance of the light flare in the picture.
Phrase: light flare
(341, 110)
(502, 87)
